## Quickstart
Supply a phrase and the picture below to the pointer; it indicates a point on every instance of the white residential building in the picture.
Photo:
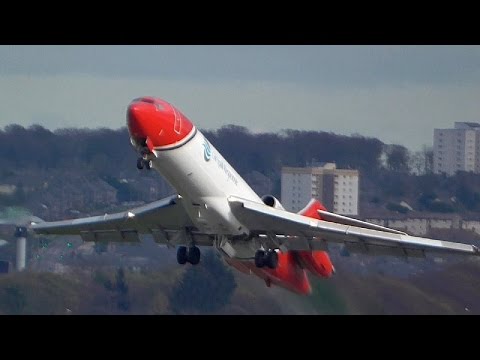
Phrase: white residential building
(457, 149)
(337, 189)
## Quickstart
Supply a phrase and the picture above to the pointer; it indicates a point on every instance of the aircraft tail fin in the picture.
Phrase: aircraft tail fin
(311, 209)
(317, 261)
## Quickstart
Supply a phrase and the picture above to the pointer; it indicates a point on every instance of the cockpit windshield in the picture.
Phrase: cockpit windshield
(144, 99)
(150, 100)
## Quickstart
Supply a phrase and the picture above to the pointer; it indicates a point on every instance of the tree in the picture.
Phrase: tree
(421, 162)
(100, 247)
(397, 158)
(204, 288)
(123, 302)
(428, 158)
(120, 282)
(19, 195)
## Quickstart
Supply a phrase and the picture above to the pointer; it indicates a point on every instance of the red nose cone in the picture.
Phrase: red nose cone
(158, 123)
(139, 119)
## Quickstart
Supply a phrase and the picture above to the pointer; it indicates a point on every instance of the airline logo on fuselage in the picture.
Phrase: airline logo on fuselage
(207, 150)
(217, 158)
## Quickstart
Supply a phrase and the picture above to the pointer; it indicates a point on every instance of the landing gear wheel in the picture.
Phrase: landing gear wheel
(148, 164)
(271, 259)
(139, 163)
(182, 255)
(194, 255)
(260, 258)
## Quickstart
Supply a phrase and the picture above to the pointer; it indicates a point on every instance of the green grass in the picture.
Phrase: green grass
(13, 212)
(44, 293)
(325, 298)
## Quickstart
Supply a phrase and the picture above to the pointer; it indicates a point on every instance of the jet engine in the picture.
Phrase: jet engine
(272, 201)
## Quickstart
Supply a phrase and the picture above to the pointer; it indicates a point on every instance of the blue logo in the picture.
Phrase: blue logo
(207, 150)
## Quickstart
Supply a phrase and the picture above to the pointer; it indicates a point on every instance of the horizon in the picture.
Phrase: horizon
(397, 94)
(124, 128)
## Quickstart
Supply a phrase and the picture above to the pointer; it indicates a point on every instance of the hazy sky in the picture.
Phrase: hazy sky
(396, 93)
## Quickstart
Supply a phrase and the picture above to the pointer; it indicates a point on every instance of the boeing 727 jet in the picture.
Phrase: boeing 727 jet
(215, 207)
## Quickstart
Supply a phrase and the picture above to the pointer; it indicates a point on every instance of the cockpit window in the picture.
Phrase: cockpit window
(144, 99)
(150, 100)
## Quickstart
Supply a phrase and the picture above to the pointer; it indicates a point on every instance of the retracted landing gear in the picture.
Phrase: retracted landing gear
(266, 258)
(192, 255)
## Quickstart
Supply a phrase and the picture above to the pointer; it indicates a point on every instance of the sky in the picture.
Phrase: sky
(398, 94)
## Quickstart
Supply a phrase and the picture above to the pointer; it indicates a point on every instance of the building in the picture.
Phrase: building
(457, 149)
(337, 189)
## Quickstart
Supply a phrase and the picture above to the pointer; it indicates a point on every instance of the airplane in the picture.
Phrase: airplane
(215, 207)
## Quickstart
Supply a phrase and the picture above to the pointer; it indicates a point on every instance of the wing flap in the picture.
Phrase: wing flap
(298, 232)
(117, 236)
(167, 213)
(382, 250)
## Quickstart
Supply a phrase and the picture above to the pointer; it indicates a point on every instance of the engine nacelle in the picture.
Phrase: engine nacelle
(317, 262)
(272, 201)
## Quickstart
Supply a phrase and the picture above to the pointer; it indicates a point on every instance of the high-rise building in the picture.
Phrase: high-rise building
(457, 149)
(337, 189)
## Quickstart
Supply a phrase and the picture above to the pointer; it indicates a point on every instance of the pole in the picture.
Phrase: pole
(21, 235)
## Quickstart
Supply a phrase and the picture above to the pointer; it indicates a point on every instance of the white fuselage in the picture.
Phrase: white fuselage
(205, 180)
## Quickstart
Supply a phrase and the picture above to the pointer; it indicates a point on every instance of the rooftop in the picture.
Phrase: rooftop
(467, 125)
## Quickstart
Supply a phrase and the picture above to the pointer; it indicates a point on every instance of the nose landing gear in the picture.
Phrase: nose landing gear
(142, 163)
(145, 161)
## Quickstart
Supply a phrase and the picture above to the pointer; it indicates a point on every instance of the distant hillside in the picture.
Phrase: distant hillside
(75, 172)
(453, 289)
(78, 171)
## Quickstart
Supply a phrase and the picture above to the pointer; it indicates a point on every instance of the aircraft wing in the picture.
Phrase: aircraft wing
(166, 220)
(297, 232)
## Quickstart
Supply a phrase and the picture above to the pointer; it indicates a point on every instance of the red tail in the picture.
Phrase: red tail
(317, 262)
(290, 272)
(311, 209)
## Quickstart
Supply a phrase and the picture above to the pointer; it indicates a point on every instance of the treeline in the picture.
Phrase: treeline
(389, 173)
(267, 152)
(102, 151)
(108, 151)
